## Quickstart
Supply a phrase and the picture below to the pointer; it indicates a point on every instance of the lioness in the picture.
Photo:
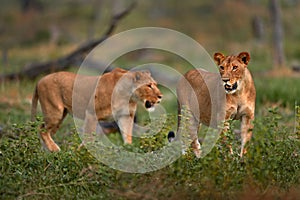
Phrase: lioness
(238, 86)
(55, 93)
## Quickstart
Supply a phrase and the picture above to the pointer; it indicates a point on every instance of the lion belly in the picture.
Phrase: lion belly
(201, 92)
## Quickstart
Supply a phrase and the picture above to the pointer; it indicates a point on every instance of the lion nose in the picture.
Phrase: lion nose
(225, 79)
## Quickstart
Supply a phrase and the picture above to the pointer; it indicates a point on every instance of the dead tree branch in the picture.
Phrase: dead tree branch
(33, 70)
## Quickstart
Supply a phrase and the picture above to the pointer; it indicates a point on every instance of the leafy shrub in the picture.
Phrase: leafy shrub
(28, 171)
(272, 161)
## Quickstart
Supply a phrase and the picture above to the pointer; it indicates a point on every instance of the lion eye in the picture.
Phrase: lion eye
(234, 67)
(221, 67)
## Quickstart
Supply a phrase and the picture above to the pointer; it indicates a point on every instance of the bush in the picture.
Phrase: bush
(271, 165)
(27, 171)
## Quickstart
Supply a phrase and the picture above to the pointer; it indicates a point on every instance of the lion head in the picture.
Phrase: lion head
(232, 69)
(138, 86)
(146, 90)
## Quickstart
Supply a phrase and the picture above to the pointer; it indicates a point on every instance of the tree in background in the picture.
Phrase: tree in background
(278, 52)
(26, 5)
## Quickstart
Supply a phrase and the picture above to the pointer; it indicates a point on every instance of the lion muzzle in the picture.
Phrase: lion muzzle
(230, 88)
(150, 106)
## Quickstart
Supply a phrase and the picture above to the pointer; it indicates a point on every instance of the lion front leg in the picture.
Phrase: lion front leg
(89, 128)
(230, 111)
(246, 132)
(226, 128)
(90, 122)
(125, 124)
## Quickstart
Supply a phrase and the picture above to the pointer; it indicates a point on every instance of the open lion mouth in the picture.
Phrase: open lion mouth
(230, 88)
(149, 106)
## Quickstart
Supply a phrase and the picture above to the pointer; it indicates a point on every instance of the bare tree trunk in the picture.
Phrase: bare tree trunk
(27, 5)
(258, 29)
(279, 58)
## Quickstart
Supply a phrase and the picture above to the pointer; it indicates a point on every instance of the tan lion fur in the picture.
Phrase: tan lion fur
(198, 91)
(93, 94)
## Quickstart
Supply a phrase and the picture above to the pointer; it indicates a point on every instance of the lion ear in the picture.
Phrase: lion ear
(219, 57)
(137, 76)
(147, 72)
(245, 57)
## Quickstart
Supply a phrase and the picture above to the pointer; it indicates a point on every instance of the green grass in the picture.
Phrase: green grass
(271, 164)
(281, 91)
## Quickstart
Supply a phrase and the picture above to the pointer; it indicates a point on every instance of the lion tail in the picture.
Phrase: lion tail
(171, 134)
(34, 103)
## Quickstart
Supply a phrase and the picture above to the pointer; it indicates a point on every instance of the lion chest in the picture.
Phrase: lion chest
(237, 107)
(108, 108)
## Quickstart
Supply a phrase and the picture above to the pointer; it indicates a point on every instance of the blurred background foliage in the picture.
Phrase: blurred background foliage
(33, 30)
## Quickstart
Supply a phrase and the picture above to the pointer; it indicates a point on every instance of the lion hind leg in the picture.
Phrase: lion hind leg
(46, 136)
(49, 142)
(51, 127)
(187, 132)
(196, 148)
(193, 128)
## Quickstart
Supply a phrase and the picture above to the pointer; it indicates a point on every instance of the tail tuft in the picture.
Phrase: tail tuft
(171, 136)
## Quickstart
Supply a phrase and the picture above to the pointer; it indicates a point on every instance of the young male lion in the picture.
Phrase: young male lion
(110, 97)
(210, 98)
